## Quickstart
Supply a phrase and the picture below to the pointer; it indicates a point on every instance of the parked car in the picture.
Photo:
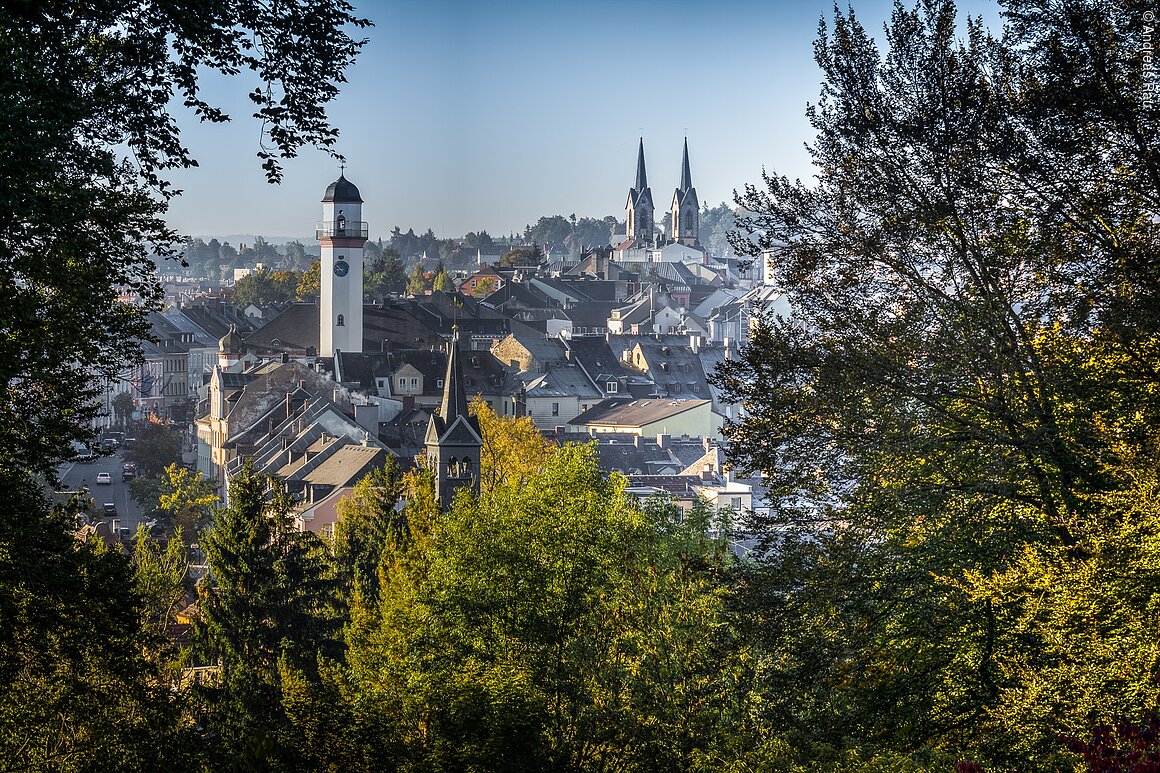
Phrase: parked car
(104, 479)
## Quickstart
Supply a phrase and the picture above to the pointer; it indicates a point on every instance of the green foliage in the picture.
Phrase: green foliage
(552, 624)
(716, 225)
(368, 526)
(267, 286)
(186, 499)
(159, 575)
(442, 282)
(123, 407)
(522, 256)
(386, 275)
(76, 691)
(417, 283)
(158, 446)
(309, 286)
(270, 610)
(146, 491)
(959, 423)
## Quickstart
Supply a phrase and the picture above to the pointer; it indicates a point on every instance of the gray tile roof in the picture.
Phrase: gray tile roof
(634, 413)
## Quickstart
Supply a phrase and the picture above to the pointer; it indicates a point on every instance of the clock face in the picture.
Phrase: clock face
(341, 267)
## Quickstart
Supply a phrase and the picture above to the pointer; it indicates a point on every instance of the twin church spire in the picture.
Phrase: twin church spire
(684, 210)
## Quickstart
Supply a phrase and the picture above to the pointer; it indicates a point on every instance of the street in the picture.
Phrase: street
(75, 475)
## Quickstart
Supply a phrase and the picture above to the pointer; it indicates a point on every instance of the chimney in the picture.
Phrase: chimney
(695, 342)
(663, 439)
(568, 355)
(637, 441)
(728, 344)
(289, 405)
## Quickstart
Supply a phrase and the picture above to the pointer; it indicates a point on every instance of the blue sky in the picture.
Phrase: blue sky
(462, 115)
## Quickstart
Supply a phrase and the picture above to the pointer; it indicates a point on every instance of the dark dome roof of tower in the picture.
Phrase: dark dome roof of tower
(342, 189)
(230, 343)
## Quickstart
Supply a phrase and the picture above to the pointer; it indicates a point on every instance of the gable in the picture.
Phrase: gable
(461, 433)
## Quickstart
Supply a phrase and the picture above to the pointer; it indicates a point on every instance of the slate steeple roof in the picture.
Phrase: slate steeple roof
(641, 177)
(454, 393)
(686, 176)
(453, 425)
(640, 195)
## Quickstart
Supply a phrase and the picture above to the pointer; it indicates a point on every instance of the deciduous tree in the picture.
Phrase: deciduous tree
(942, 421)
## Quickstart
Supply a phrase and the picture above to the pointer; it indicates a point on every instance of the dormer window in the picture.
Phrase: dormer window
(341, 321)
(612, 386)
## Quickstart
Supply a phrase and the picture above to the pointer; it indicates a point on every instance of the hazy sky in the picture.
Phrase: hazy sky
(467, 115)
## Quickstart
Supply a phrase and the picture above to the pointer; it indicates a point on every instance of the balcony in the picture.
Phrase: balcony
(341, 229)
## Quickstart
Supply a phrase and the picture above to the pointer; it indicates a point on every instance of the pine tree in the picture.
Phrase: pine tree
(269, 608)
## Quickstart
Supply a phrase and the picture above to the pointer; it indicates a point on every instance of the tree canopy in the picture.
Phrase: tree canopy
(957, 418)
(89, 133)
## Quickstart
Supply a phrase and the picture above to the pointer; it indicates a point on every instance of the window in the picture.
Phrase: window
(439, 383)
(414, 383)
(555, 409)
(341, 321)
(402, 383)
(612, 386)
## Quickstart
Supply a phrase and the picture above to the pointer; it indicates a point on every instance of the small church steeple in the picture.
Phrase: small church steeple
(453, 439)
(686, 210)
(639, 218)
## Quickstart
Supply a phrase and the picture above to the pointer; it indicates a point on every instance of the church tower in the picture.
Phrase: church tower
(453, 440)
(686, 210)
(342, 234)
(639, 218)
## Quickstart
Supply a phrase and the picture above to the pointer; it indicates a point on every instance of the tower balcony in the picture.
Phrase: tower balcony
(341, 229)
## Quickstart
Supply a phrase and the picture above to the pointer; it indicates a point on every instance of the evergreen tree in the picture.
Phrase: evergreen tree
(268, 610)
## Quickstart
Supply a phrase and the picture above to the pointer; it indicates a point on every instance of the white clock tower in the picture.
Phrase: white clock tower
(342, 234)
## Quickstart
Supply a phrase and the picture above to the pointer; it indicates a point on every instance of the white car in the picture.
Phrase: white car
(104, 479)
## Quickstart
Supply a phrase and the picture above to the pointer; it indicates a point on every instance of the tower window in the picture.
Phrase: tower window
(341, 321)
